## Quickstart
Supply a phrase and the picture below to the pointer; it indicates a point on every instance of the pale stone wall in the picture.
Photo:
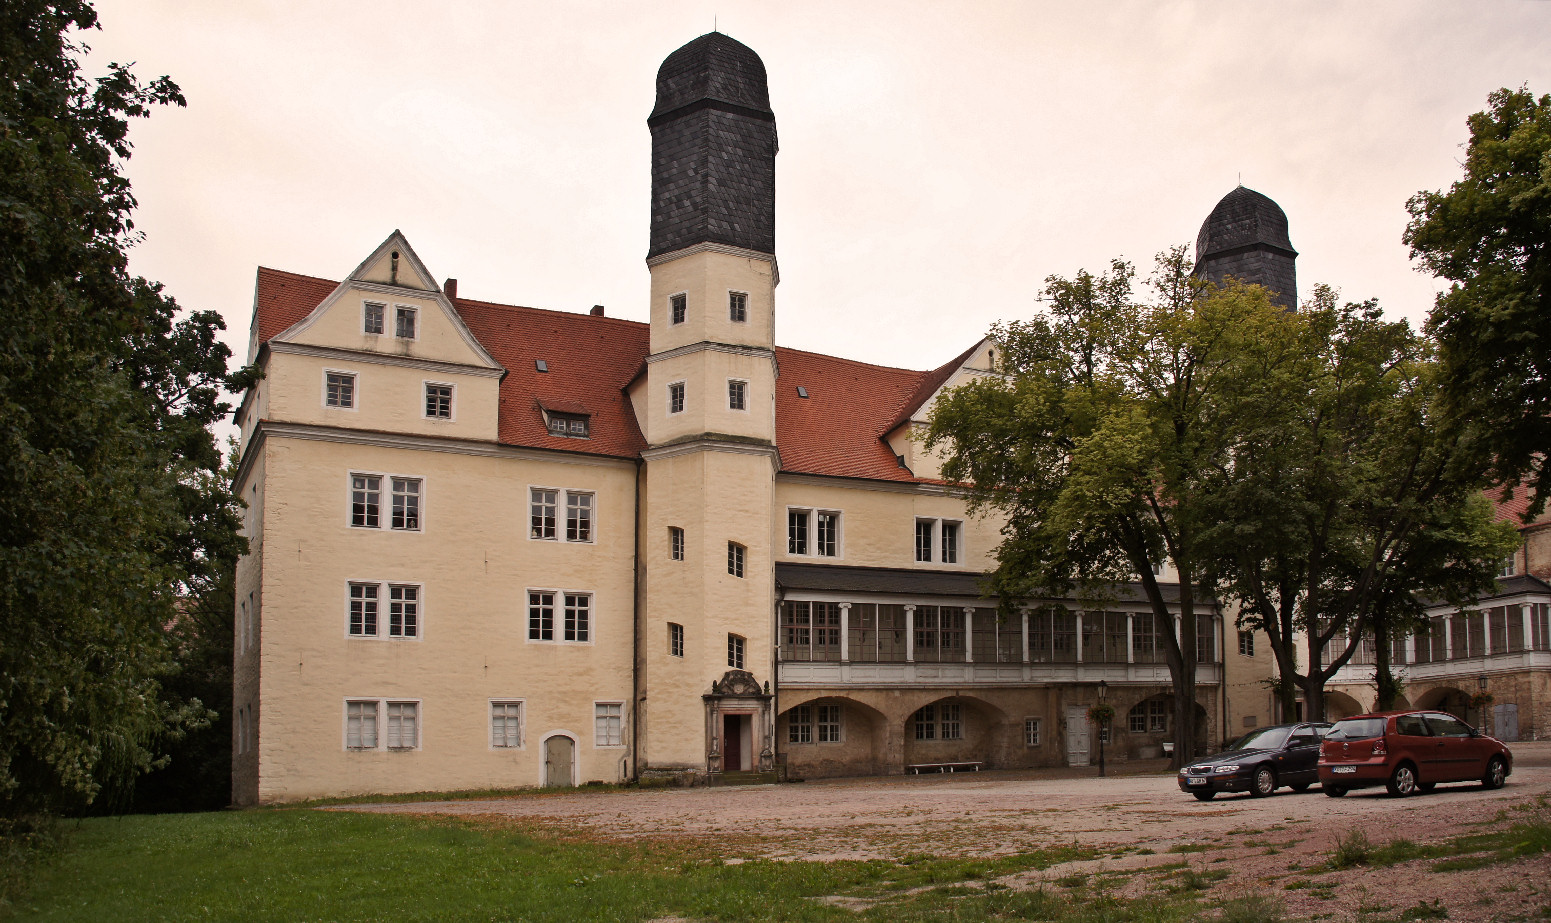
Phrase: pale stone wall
(707, 278)
(247, 637)
(389, 398)
(475, 562)
(1251, 702)
(877, 523)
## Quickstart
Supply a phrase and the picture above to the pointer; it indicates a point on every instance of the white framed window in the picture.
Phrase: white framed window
(365, 501)
(735, 648)
(541, 615)
(738, 307)
(372, 314)
(675, 543)
(797, 531)
(1508, 567)
(737, 394)
(572, 609)
(735, 555)
(403, 725)
(675, 639)
(608, 723)
(438, 401)
(799, 725)
(569, 425)
(678, 308)
(939, 540)
(813, 532)
(1031, 732)
(406, 504)
(339, 390)
(405, 321)
(676, 397)
(544, 504)
(506, 724)
(578, 617)
(1247, 643)
(829, 724)
(925, 529)
(364, 610)
(578, 516)
(361, 724)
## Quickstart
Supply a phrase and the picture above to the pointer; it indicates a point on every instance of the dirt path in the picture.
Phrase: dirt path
(1248, 845)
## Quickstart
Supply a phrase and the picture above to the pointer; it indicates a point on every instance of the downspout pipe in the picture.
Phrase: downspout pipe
(635, 642)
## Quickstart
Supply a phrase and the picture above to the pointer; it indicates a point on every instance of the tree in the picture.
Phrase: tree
(1101, 439)
(1490, 235)
(1348, 507)
(110, 510)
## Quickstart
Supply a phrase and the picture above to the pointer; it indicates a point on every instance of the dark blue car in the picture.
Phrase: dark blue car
(1259, 763)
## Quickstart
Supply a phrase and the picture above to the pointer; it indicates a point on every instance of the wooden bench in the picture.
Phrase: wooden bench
(967, 766)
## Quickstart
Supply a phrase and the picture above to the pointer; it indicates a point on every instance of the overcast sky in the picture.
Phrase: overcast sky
(938, 160)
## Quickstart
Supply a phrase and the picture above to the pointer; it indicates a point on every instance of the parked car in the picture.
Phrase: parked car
(1258, 763)
(1409, 752)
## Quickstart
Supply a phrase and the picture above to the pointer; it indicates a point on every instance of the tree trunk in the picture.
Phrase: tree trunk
(1184, 677)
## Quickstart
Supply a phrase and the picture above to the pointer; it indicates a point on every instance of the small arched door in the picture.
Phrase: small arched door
(559, 755)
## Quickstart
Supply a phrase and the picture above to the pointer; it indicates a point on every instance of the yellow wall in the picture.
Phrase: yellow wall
(389, 398)
(707, 278)
(878, 523)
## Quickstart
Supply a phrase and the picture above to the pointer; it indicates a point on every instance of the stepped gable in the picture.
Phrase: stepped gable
(713, 149)
(837, 429)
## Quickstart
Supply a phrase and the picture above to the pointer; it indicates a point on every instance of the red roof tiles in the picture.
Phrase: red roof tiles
(837, 430)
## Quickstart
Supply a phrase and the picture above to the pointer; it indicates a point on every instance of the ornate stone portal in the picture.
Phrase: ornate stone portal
(737, 702)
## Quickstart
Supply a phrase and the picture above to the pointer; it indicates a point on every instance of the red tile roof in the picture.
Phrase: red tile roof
(1512, 509)
(837, 430)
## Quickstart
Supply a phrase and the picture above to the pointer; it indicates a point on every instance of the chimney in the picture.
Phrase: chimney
(597, 310)
(450, 289)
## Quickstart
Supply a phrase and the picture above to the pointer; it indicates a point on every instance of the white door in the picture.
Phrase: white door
(1076, 735)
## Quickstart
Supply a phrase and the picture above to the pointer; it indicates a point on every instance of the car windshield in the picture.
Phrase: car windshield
(1263, 739)
(1356, 729)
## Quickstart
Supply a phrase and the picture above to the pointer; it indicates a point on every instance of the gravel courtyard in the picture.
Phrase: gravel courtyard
(1141, 821)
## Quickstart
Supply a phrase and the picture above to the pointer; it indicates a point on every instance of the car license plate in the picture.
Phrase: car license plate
(1343, 769)
(1195, 780)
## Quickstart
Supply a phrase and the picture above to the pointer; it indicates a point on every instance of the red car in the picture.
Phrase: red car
(1409, 752)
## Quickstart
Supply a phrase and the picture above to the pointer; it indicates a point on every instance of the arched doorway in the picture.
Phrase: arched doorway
(1446, 699)
(559, 761)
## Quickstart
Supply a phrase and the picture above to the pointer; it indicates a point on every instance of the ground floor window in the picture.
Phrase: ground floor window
(829, 724)
(403, 725)
(799, 725)
(942, 721)
(361, 725)
(1031, 732)
(506, 725)
(1150, 717)
(609, 724)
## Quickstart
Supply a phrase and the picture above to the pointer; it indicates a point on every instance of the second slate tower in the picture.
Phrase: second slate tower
(705, 640)
(1245, 237)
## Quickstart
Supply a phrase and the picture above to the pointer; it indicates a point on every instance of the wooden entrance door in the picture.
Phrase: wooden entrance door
(558, 753)
(1076, 735)
(732, 742)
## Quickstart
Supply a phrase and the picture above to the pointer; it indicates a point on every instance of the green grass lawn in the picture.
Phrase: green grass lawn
(329, 865)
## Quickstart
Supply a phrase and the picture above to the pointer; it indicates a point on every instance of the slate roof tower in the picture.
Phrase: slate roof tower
(713, 149)
(1245, 237)
(707, 560)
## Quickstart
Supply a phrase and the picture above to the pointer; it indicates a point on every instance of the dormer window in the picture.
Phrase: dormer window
(404, 322)
(570, 425)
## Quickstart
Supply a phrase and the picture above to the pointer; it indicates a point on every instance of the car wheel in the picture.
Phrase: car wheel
(1402, 782)
(1265, 782)
(1204, 796)
(1301, 786)
(1496, 773)
(1334, 791)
